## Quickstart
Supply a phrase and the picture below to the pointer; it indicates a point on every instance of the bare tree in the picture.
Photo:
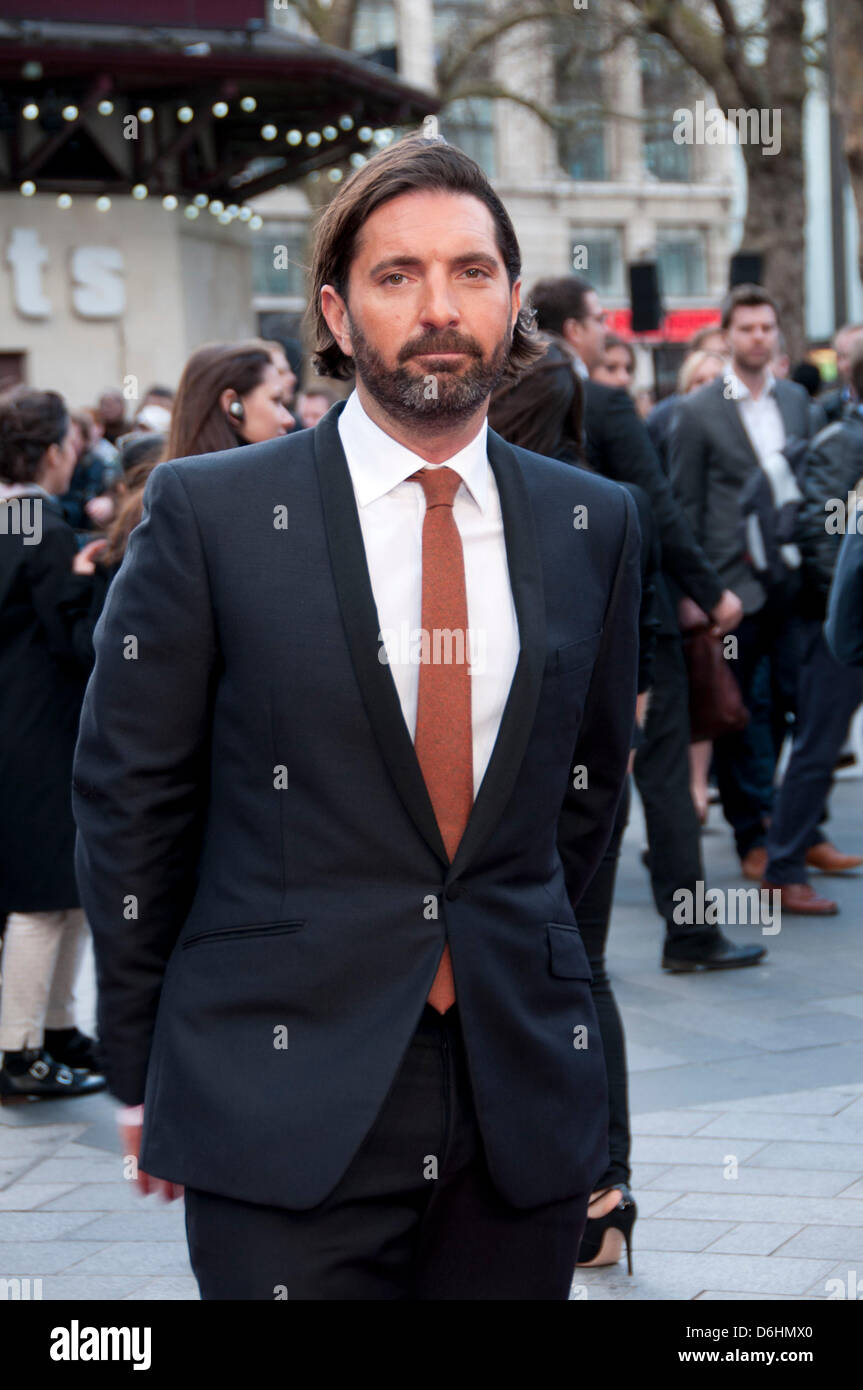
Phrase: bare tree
(762, 67)
(846, 19)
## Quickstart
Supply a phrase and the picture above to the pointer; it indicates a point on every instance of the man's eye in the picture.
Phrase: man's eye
(475, 270)
(393, 275)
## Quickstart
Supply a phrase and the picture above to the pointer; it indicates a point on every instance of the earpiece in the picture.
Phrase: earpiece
(236, 409)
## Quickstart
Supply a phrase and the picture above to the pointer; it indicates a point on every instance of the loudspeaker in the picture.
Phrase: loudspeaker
(746, 268)
(644, 296)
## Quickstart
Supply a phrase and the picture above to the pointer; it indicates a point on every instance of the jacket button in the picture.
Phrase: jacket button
(453, 892)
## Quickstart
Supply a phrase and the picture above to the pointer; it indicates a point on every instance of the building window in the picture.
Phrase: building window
(469, 124)
(596, 253)
(374, 28)
(680, 252)
(581, 141)
(579, 97)
(12, 369)
(278, 260)
(665, 86)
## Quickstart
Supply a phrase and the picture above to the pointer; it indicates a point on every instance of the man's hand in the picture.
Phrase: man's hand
(83, 562)
(727, 613)
(100, 509)
(130, 1121)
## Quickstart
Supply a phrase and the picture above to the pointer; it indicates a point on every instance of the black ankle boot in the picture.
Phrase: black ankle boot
(74, 1048)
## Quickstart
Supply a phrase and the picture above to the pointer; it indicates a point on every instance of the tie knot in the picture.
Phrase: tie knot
(440, 485)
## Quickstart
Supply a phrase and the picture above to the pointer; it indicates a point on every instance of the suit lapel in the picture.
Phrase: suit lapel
(729, 407)
(377, 687)
(786, 403)
(525, 577)
(362, 626)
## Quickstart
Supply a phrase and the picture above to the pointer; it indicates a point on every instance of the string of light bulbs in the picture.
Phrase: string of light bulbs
(200, 202)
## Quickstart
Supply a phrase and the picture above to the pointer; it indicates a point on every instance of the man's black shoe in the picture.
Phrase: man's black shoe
(713, 953)
(33, 1073)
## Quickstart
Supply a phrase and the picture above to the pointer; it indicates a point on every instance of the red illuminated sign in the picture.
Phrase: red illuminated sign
(678, 325)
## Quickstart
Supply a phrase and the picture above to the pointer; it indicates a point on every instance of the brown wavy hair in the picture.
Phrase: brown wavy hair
(543, 410)
(129, 511)
(198, 422)
(415, 164)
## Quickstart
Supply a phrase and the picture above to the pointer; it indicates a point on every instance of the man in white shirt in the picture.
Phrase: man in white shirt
(334, 822)
(724, 434)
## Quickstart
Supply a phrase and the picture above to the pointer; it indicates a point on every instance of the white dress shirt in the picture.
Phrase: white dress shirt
(391, 512)
(762, 420)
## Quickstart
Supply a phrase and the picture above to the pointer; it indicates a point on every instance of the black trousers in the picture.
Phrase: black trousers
(745, 763)
(593, 915)
(414, 1218)
(827, 696)
(661, 771)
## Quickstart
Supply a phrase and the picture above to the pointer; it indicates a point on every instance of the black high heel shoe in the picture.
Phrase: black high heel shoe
(603, 1237)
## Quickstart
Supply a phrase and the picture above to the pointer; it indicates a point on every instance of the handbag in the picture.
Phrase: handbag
(715, 702)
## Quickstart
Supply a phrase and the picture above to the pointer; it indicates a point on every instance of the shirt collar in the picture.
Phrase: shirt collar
(742, 392)
(378, 463)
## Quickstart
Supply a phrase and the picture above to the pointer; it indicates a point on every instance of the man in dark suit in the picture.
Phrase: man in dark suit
(618, 446)
(840, 400)
(828, 692)
(744, 421)
(330, 864)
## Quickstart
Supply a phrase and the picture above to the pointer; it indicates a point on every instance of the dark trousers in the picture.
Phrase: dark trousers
(415, 1217)
(661, 772)
(593, 915)
(745, 763)
(827, 696)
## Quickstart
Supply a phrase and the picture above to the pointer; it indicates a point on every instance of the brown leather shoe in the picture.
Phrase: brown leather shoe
(801, 898)
(754, 864)
(830, 860)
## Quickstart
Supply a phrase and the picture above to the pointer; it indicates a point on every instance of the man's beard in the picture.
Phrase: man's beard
(446, 392)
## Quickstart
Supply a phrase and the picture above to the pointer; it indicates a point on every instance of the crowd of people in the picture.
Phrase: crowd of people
(733, 477)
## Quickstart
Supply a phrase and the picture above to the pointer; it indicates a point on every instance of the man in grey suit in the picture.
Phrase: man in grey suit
(739, 423)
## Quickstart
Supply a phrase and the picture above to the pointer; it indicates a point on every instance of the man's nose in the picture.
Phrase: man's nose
(438, 306)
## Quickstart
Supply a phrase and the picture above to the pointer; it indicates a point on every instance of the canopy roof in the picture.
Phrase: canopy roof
(284, 106)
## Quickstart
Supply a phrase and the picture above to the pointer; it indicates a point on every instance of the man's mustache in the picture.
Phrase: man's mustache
(426, 346)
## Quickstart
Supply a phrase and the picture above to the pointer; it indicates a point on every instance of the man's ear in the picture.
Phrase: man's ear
(516, 300)
(335, 311)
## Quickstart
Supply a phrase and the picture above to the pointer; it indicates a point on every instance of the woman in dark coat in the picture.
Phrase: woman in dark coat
(542, 411)
(48, 608)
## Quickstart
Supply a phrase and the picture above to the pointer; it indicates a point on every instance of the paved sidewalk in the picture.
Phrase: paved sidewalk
(757, 1073)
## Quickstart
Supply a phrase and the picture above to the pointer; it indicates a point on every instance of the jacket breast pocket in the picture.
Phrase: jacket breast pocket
(567, 956)
(574, 655)
(241, 933)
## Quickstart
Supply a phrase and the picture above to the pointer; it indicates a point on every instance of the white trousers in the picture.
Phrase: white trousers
(42, 955)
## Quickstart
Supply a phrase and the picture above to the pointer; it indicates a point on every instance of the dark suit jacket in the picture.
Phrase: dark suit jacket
(618, 446)
(658, 425)
(711, 457)
(834, 465)
(843, 629)
(226, 906)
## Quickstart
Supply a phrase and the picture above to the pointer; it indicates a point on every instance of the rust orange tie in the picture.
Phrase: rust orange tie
(444, 734)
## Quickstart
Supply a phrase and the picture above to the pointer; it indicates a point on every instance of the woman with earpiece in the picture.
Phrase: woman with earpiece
(229, 394)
